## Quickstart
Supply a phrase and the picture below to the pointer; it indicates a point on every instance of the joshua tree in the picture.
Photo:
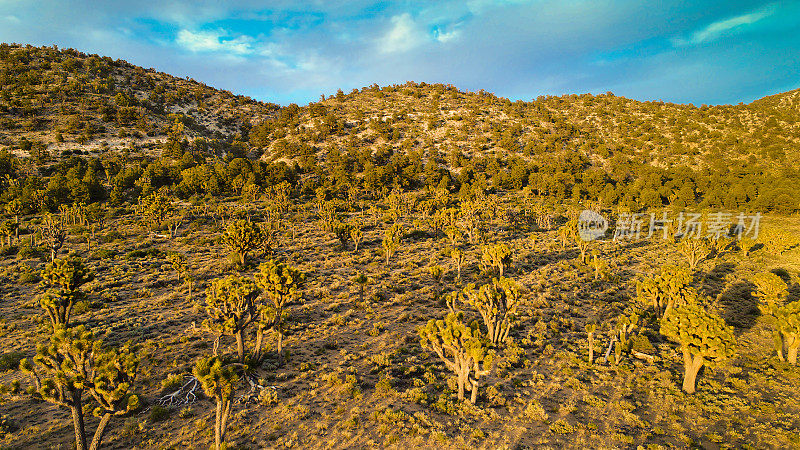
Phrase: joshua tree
(703, 337)
(436, 273)
(242, 237)
(497, 303)
(62, 279)
(113, 377)
(391, 240)
(281, 283)
(231, 307)
(667, 290)
(14, 208)
(356, 234)
(219, 382)
(497, 256)
(60, 383)
(462, 348)
(788, 324)
(694, 250)
(9, 229)
(326, 212)
(53, 234)
(361, 280)
(74, 364)
(178, 262)
(590, 329)
(269, 235)
(745, 245)
(772, 292)
(458, 257)
(600, 266)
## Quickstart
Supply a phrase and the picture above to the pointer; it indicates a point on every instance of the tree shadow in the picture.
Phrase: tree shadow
(739, 307)
(713, 282)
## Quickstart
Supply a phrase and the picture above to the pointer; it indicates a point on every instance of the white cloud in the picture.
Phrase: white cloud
(446, 36)
(12, 19)
(716, 29)
(404, 35)
(214, 41)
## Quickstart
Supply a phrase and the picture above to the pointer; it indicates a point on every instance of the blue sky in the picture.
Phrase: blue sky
(289, 51)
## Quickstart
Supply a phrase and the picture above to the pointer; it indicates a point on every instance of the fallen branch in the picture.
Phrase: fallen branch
(183, 396)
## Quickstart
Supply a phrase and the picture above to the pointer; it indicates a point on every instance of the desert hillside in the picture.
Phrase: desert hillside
(401, 266)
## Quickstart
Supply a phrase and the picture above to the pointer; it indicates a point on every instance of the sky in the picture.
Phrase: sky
(700, 52)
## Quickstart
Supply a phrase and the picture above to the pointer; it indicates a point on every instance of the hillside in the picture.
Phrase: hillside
(593, 148)
(397, 267)
(64, 99)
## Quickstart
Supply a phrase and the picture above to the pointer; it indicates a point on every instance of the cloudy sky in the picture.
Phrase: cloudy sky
(712, 52)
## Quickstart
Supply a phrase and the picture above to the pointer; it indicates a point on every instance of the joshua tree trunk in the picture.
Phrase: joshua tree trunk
(221, 422)
(462, 381)
(101, 429)
(240, 345)
(791, 349)
(692, 366)
(474, 395)
(778, 339)
(77, 421)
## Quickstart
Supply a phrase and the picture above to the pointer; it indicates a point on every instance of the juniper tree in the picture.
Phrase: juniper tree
(704, 338)
(242, 237)
(667, 290)
(219, 382)
(61, 280)
(462, 348)
(154, 208)
(342, 232)
(391, 240)
(497, 303)
(497, 256)
(281, 283)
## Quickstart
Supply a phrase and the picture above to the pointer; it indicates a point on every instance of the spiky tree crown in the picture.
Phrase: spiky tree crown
(230, 304)
(279, 281)
(672, 284)
(700, 332)
(114, 374)
(771, 290)
(242, 235)
(218, 379)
